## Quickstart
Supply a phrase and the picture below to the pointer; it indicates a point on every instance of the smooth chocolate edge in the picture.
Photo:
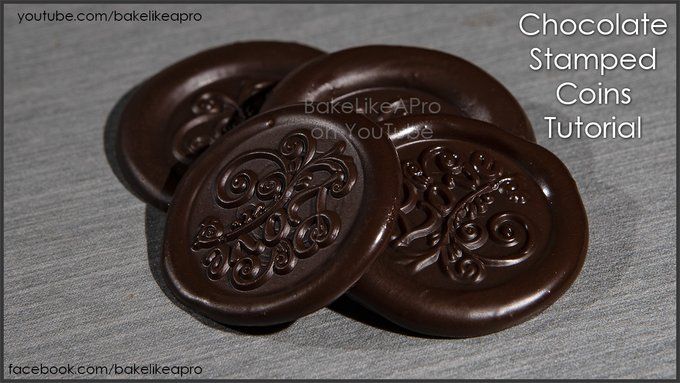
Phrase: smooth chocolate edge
(128, 170)
(385, 220)
(575, 246)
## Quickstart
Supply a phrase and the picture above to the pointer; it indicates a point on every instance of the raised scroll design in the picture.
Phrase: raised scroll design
(282, 212)
(453, 228)
(213, 113)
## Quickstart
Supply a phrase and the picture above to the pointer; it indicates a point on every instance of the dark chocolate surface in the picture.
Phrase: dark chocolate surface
(179, 112)
(491, 231)
(393, 73)
(280, 217)
(69, 222)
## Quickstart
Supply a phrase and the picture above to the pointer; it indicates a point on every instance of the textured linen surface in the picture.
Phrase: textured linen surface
(81, 284)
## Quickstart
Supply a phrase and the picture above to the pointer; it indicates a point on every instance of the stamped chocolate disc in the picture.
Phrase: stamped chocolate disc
(387, 81)
(490, 232)
(280, 216)
(179, 112)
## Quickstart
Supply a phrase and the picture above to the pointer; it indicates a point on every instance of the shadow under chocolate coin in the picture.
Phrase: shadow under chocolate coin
(355, 311)
(154, 227)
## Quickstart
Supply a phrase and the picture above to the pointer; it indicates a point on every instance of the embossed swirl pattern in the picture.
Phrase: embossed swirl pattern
(271, 233)
(213, 113)
(455, 228)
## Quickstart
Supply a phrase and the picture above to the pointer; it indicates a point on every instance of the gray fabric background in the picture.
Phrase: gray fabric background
(79, 249)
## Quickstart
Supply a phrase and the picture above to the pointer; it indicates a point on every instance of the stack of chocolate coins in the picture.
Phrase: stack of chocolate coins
(407, 178)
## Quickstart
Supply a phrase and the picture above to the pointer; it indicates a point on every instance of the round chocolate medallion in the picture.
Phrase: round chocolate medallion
(491, 230)
(280, 217)
(179, 112)
(389, 81)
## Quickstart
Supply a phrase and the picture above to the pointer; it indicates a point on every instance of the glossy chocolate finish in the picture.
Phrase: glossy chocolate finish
(179, 112)
(280, 217)
(491, 231)
(393, 72)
